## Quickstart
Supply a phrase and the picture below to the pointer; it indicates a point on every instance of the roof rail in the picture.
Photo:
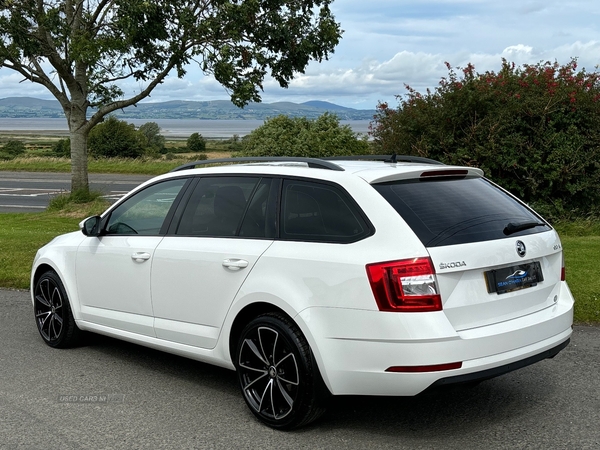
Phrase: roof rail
(385, 158)
(311, 162)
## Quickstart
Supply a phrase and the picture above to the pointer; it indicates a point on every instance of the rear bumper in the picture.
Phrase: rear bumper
(355, 347)
(501, 370)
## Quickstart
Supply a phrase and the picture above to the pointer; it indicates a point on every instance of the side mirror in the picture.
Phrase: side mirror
(90, 226)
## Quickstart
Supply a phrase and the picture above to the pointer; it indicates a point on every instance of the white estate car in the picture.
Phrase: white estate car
(313, 277)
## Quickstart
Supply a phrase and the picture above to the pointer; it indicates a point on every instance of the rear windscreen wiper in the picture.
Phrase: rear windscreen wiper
(513, 227)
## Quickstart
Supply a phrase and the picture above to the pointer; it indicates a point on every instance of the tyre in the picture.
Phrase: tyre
(53, 315)
(278, 375)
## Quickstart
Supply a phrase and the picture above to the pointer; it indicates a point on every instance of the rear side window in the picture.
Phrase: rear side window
(320, 212)
(217, 205)
(459, 211)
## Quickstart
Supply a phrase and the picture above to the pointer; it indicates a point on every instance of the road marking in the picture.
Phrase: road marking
(28, 192)
(22, 206)
(39, 194)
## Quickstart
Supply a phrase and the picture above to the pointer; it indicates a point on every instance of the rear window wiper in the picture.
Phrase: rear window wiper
(513, 227)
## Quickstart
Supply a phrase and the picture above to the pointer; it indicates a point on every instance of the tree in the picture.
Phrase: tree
(13, 147)
(116, 138)
(196, 143)
(534, 129)
(156, 141)
(299, 136)
(80, 50)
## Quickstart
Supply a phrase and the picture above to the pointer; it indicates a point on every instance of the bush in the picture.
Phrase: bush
(299, 136)
(234, 144)
(65, 201)
(196, 143)
(62, 148)
(534, 129)
(116, 138)
(13, 148)
(155, 140)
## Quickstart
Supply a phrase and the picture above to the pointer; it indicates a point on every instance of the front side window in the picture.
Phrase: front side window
(320, 212)
(144, 213)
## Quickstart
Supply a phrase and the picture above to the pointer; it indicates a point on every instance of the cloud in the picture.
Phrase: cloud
(13, 84)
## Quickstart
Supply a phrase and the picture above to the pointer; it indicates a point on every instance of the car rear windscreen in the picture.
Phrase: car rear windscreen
(453, 211)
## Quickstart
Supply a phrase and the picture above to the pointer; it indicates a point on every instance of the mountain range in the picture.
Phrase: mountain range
(23, 107)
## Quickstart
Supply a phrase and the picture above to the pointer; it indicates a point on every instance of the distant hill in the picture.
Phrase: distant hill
(23, 107)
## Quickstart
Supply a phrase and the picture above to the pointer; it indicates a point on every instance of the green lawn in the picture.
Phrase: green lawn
(581, 262)
(20, 237)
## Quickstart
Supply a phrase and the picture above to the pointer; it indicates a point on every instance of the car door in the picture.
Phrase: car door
(113, 269)
(200, 265)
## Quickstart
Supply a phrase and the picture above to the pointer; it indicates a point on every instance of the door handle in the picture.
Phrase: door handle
(140, 256)
(234, 264)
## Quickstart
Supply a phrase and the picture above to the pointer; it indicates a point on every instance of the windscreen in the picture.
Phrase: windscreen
(459, 210)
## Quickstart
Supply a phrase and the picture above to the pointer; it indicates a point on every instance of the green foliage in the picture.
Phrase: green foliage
(155, 140)
(234, 144)
(13, 148)
(299, 136)
(534, 129)
(196, 143)
(116, 138)
(62, 148)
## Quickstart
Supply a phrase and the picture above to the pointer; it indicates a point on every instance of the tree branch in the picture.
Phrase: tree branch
(120, 104)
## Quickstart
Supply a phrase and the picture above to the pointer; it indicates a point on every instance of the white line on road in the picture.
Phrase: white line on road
(22, 206)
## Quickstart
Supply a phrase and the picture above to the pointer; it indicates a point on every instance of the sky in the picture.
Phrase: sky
(389, 43)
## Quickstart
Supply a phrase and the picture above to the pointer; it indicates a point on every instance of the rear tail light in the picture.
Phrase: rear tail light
(405, 286)
(562, 268)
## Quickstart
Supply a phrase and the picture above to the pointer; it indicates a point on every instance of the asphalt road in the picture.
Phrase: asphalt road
(111, 394)
(31, 191)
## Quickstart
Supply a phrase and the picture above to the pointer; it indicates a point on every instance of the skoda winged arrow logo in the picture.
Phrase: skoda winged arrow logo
(521, 250)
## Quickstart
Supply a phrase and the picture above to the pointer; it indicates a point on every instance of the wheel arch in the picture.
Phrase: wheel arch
(244, 316)
(44, 266)
(253, 310)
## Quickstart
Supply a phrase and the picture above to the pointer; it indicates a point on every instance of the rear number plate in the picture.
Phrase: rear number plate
(512, 278)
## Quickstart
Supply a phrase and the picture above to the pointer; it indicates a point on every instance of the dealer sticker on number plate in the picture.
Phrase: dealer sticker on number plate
(512, 278)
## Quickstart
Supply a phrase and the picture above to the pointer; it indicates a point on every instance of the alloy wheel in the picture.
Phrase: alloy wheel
(269, 373)
(49, 309)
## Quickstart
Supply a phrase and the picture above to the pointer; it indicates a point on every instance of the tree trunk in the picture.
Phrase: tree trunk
(78, 132)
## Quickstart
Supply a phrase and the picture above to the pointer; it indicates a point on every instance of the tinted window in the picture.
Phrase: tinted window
(457, 211)
(259, 220)
(217, 205)
(320, 212)
(145, 212)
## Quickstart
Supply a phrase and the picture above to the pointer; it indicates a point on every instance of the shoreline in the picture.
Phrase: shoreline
(171, 129)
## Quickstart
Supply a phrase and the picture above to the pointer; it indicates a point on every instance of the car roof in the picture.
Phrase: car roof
(378, 171)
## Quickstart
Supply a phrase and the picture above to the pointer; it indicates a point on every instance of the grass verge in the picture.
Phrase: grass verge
(140, 166)
(581, 246)
(22, 234)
